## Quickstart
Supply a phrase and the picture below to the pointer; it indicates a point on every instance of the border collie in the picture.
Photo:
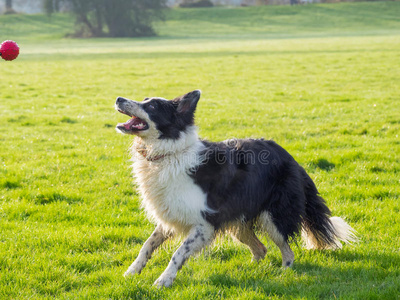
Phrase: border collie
(197, 188)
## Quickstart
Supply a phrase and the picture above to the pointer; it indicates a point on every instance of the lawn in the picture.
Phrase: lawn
(321, 80)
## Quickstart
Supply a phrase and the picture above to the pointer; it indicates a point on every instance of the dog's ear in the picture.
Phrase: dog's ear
(187, 103)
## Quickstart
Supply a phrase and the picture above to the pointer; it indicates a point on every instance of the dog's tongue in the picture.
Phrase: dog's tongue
(134, 123)
(129, 123)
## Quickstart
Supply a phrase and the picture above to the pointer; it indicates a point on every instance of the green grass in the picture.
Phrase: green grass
(321, 80)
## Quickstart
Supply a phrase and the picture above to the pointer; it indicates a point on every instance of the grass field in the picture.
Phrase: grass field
(321, 80)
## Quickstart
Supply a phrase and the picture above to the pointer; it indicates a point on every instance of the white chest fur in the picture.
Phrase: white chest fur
(169, 194)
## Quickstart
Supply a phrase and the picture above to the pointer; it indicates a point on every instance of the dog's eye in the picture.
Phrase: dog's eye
(151, 106)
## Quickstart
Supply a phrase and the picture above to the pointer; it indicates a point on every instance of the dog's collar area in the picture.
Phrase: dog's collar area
(142, 150)
(144, 153)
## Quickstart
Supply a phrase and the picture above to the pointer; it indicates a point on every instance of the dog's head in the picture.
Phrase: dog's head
(157, 117)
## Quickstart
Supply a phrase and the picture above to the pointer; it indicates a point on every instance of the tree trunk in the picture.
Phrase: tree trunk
(83, 18)
(99, 19)
(9, 9)
(57, 5)
(122, 18)
(8, 4)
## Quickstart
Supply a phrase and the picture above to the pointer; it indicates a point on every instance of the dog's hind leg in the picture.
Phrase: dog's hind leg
(199, 236)
(152, 243)
(278, 239)
(245, 234)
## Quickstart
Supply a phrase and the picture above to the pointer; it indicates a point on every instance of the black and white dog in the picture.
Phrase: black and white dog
(198, 188)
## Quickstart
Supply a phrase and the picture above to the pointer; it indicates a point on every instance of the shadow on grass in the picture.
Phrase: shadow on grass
(10, 184)
(48, 198)
(370, 275)
(322, 164)
(382, 260)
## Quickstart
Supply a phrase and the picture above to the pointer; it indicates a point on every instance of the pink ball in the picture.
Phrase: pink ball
(9, 50)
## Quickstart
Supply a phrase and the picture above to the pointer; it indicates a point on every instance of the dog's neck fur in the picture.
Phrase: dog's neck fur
(161, 169)
(153, 149)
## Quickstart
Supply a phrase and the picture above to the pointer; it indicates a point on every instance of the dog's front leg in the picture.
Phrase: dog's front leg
(152, 243)
(199, 237)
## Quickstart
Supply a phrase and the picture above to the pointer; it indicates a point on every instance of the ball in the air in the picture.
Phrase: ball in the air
(9, 50)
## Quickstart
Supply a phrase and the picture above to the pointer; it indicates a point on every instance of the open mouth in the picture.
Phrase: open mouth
(133, 125)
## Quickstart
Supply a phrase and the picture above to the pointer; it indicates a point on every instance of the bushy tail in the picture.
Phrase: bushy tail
(319, 230)
(339, 231)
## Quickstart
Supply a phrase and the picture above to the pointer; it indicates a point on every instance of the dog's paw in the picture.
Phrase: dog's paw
(134, 268)
(164, 281)
(287, 264)
(130, 272)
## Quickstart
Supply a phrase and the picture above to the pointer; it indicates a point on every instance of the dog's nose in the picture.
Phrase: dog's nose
(120, 100)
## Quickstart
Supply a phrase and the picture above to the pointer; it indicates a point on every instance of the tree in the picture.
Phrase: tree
(51, 6)
(118, 18)
(196, 3)
(9, 9)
